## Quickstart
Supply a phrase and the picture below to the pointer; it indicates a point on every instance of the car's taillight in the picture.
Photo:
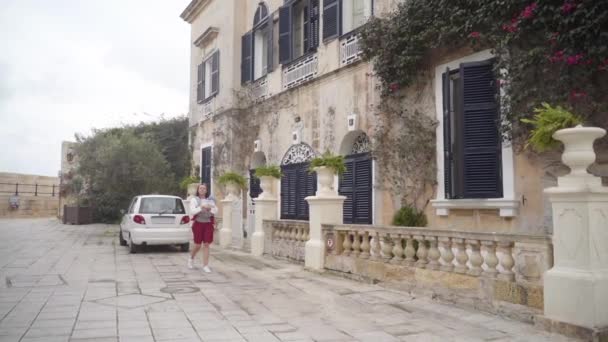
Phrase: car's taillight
(139, 219)
(185, 219)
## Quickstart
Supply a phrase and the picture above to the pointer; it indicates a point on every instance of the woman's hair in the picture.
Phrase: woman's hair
(206, 187)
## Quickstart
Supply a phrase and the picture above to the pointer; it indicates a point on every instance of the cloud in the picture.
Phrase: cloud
(70, 66)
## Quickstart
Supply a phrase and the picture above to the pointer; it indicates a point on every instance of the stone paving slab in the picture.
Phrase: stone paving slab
(76, 284)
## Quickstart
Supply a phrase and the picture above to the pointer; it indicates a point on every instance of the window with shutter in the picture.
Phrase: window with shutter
(472, 144)
(296, 184)
(356, 185)
(206, 167)
(200, 85)
(354, 13)
(313, 25)
(285, 34)
(246, 57)
(331, 25)
(215, 73)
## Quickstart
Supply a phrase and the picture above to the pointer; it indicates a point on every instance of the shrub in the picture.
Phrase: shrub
(409, 217)
(336, 163)
(270, 170)
(232, 177)
(547, 121)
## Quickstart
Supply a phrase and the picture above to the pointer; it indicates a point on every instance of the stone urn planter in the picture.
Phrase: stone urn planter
(579, 154)
(233, 191)
(266, 183)
(325, 176)
(192, 189)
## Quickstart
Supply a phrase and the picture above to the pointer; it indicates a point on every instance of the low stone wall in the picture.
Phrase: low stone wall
(286, 239)
(34, 201)
(455, 267)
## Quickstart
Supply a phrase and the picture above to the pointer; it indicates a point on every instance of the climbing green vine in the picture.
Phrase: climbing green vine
(552, 51)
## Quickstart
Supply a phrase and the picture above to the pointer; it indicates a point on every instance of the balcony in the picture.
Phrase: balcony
(207, 109)
(301, 71)
(259, 89)
(350, 51)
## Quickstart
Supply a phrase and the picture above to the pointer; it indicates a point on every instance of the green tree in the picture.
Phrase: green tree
(118, 164)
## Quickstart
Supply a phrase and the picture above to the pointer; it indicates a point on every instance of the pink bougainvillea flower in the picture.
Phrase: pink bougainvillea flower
(393, 86)
(512, 27)
(558, 56)
(528, 12)
(568, 7)
(577, 95)
(574, 60)
(474, 34)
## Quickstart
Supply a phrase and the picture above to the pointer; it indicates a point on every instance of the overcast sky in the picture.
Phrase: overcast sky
(67, 66)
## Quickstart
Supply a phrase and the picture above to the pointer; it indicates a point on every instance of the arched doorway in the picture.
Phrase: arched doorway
(356, 182)
(297, 183)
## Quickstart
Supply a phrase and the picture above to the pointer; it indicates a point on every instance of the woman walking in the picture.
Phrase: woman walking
(202, 208)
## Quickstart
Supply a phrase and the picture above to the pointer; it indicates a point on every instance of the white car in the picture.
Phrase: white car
(155, 220)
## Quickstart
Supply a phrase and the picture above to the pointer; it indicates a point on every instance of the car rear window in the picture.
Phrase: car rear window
(161, 205)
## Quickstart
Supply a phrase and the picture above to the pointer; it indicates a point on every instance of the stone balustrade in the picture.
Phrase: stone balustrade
(286, 238)
(471, 267)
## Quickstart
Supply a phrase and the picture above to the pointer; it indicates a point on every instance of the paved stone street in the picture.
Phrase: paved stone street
(75, 283)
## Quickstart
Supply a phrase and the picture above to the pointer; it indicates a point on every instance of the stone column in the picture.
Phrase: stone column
(576, 288)
(226, 230)
(325, 207)
(265, 209)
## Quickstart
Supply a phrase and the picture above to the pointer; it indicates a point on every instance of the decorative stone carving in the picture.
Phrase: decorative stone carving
(361, 144)
(299, 153)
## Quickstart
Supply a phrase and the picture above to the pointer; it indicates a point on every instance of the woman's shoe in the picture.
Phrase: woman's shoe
(206, 269)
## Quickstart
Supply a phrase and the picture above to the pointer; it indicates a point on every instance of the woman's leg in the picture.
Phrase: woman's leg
(197, 247)
(205, 254)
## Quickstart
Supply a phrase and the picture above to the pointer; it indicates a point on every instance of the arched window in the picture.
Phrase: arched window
(297, 183)
(260, 14)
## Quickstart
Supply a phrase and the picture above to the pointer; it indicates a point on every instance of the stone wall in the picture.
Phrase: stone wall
(30, 205)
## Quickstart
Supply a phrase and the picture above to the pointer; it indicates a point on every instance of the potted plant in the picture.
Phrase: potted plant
(233, 182)
(326, 166)
(189, 185)
(267, 175)
(77, 211)
(553, 124)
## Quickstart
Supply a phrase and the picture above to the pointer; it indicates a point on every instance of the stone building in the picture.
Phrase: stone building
(278, 82)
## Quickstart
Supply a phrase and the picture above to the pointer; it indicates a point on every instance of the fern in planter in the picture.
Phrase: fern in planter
(270, 171)
(232, 177)
(336, 163)
(546, 122)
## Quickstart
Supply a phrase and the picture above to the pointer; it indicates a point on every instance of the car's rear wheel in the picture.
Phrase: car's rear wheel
(185, 247)
(121, 239)
(133, 248)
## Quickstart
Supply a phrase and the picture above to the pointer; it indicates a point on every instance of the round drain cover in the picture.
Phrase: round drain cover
(180, 289)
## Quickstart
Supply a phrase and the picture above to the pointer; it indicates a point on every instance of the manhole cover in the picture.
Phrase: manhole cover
(180, 289)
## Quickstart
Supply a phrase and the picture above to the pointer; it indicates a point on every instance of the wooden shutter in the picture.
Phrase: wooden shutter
(331, 22)
(288, 192)
(246, 57)
(447, 137)
(313, 25)
(363, 190)
(285, 34)
(200, 96)
(306, 29)
(254, 185)
(481, 139)
(345, 188)
(215, 73)
(206, 167)
(270, 45)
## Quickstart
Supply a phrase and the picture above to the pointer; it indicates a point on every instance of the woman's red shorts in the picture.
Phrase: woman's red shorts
(203, 232)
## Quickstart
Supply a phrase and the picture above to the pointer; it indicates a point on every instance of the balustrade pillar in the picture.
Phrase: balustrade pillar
(410, 251)
(506, 261)
(433, 253)
(376, 249)
(422, 252)
(387, 248)
(397, 249)
(356, 244)
(461, 256)
(447, 256)
(476, 258)
(365, 247)
(347, 244)
(491, 260)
